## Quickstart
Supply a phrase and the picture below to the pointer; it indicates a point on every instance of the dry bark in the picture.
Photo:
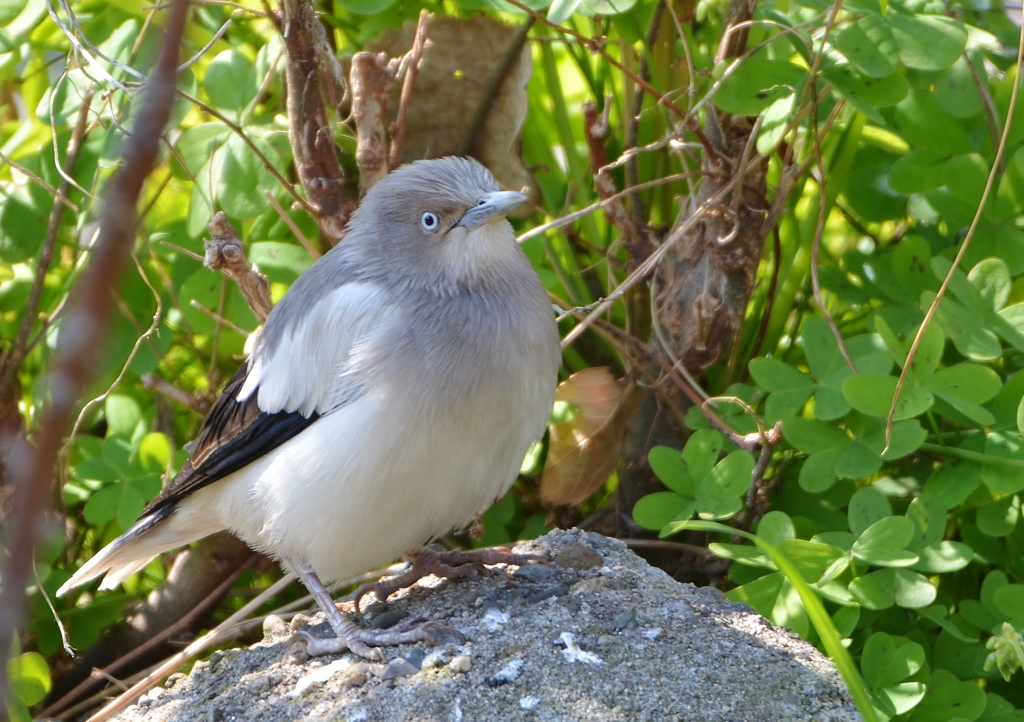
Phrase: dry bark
(312, 72)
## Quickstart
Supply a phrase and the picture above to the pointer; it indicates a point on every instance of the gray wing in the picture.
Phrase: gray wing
(308, 362)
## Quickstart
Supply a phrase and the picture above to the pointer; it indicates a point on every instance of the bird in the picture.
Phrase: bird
(389, 397)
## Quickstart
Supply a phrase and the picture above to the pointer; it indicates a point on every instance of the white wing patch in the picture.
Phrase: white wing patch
(323, 360)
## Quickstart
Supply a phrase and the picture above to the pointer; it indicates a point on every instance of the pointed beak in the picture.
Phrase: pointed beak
(491, 206)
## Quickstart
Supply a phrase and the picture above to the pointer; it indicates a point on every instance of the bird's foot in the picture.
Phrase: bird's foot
(365, 642)
(448, 564)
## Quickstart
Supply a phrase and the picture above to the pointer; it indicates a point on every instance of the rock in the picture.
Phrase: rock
(628, 643)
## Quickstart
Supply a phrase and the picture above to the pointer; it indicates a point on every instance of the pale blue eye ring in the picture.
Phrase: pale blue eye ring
(429, 222)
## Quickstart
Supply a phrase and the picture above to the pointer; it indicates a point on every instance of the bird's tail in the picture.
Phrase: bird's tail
(160, 531)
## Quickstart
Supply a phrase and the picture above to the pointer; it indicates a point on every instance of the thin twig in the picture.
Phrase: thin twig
(576, 215)
(76, 358)
(10, 363)
(996, 164)
(296, 231)
(209, 639)
(188, 621)
(819, 229)
(40, 182)
(412, 68)
(240, 132)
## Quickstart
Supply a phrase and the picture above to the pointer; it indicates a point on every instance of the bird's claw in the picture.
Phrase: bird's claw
(366, 642)
(447, 564)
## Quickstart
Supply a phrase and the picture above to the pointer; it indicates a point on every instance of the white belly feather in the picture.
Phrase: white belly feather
(392, 478)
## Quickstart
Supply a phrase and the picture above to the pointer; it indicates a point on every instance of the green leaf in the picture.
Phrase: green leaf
(715, 507)
(1010, 600)
(873, 395)
(857, 461)
(123, 414)
(760, 594)
(811, 436)
(732, 475)
(865, 92)
(965, 176)
(230, 83)
(888, 660)
(608, 7)
(943, 557)
(948, 699)
(756, 84)
(29, 677)
(155, 453)
(953, 481)
(818, 473)
(867, 506)
(870, 45)
(10, 9)
(774, 375)
(561, 10)
(776, 526)
(667, 464)
(23, 220)
(280, 261)
(937, 613)
(927, 514)
(702, 451)
(928, 42)
(998, 518)
(892, 532)
(656, 510)
(102, 506)
(245, 176)
(956, 91)
(918, 171)
(885, 587)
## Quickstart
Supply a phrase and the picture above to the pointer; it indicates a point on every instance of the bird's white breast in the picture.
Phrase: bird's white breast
(382, 475)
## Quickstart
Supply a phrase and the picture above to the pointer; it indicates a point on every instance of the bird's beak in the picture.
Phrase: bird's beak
(491, 206)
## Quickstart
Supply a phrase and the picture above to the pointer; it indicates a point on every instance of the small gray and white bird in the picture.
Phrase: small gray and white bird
(392, 394)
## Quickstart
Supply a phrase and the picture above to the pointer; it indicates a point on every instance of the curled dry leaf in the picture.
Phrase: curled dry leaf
(469, 97)
(583, 451)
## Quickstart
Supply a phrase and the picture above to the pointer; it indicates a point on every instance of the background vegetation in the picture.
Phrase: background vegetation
(820, 192)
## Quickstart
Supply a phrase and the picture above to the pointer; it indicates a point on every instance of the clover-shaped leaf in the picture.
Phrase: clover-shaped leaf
(885, 587)
(699, 483)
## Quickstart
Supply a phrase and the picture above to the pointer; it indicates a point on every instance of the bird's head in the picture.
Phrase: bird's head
(442, 222)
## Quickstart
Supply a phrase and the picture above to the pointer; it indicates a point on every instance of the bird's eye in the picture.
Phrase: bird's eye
(429, 221)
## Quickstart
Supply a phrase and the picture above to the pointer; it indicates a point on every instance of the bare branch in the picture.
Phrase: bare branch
(370, 78)
(635, 241)
(312, 71)
(224, 253)
(78, 348)
(412, 67)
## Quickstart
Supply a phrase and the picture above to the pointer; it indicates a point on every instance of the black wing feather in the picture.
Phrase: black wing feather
(234, 434)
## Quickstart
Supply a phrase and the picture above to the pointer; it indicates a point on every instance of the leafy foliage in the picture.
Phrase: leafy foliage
(899, 551)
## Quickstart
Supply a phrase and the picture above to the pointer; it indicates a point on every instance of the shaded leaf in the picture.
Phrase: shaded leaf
(582, 453)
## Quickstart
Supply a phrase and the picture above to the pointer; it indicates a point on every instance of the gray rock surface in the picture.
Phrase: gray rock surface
(592, 634)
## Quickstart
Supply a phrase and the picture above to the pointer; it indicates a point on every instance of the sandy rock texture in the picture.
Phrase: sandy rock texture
(593, 633)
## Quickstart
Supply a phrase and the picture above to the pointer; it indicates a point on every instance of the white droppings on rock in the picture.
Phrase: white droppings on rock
(573, 653)
(320, 675)
(651, 633)
(495, 619)
(509, 672)
(528, 702)
(457, 711)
